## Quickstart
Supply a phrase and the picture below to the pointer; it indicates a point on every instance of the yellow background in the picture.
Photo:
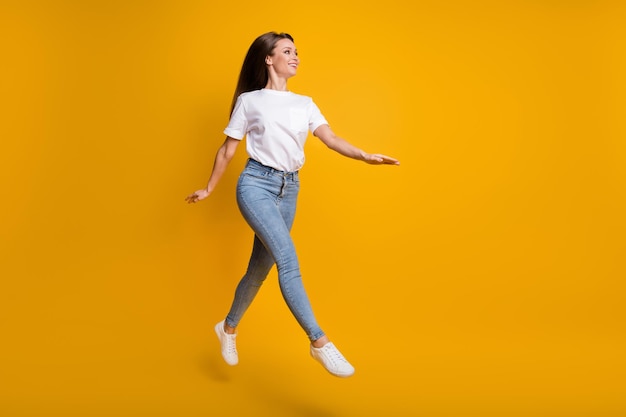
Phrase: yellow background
(482, 277)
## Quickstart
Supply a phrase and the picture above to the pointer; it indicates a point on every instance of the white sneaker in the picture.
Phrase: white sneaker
(332, 360)
(227, 342)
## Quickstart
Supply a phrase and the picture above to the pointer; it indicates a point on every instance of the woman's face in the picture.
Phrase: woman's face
(284, 58)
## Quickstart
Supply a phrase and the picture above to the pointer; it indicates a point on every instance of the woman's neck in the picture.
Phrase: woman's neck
(276, 83)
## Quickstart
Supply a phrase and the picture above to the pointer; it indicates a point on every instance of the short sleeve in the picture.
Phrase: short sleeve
(238, 124)
(316, 119)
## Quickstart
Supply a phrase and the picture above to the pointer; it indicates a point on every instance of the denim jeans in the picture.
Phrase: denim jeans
(267, 200)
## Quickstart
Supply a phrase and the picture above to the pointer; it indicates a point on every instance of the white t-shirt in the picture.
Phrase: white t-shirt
(275, 124)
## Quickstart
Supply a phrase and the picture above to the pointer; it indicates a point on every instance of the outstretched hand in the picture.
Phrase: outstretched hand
(378, 159)
(197, 196)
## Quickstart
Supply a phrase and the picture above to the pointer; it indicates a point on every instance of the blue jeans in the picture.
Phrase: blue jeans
(267, 200)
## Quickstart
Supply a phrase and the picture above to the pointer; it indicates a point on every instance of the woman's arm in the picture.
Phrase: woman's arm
(343, 147)
(223, 157)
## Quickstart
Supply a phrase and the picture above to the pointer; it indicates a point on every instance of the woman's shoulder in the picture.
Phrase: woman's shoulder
(249, 94)
(301, 96)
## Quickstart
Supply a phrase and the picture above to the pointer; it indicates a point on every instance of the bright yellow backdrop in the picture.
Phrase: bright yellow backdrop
(482, 277)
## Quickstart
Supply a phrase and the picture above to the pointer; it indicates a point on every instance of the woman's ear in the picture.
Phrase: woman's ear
(268, 60)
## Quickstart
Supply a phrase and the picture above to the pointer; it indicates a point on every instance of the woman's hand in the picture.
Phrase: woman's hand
(378, 159)
(197, 196)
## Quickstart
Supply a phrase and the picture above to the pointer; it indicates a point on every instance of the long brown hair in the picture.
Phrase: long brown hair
(254, 75)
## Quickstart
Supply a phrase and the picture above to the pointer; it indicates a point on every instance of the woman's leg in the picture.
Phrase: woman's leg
(259, 266)
(267, 200)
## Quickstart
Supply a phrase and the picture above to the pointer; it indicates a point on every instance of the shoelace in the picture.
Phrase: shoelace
(334, 355)
(231, 347)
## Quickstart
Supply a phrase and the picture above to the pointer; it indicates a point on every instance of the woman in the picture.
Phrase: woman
(275, 123)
